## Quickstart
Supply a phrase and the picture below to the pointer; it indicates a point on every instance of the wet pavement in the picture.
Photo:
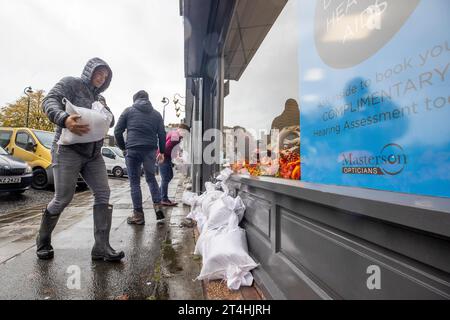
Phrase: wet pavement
(182, 265)
(13, 202)
(158, 260)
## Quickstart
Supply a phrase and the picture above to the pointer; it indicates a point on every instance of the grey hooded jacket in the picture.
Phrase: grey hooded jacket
(81, 93)
(144, 125)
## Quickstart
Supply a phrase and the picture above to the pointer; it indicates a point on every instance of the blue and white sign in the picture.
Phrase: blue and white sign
(375, 94)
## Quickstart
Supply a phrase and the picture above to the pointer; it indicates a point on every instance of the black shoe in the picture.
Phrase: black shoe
(158, 210)
(43, 241)
(102, 227)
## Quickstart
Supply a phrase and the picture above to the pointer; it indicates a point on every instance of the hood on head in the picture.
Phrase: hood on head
(89, 69)
(141, 101)
(140, 95)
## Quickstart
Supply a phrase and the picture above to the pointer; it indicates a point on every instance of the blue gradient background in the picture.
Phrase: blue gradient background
(425, 137)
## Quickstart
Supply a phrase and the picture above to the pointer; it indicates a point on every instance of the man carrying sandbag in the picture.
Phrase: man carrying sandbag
(68, 161)
(145, 132)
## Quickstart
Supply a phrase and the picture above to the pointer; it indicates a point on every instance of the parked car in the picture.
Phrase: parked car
(33, 146)
(115, 161)
(15, 174)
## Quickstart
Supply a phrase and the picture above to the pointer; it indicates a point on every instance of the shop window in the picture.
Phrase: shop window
(262, 111)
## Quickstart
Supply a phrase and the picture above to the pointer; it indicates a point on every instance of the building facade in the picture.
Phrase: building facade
(340, 107)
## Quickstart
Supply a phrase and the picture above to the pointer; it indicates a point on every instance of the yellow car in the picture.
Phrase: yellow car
(34, 147)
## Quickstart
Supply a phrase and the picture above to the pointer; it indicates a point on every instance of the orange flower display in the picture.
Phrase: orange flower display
(290, 166)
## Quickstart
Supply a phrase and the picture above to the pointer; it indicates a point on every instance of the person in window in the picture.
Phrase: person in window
(68, 161)
(173, 138)
(145, 133)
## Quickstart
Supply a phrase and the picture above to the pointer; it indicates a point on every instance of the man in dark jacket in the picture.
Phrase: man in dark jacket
(145, 133)
(68, 161)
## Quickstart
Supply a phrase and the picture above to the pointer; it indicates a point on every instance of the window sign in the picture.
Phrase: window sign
(375, 94)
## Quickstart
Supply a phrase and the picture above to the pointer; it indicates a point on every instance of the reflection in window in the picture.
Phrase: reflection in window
(274, 154)
(288, 124)
(262, 112)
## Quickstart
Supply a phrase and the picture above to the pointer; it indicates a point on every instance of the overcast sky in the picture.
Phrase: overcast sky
(45, 40)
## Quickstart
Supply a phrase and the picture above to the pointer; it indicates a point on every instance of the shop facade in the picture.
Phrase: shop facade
(344, 167)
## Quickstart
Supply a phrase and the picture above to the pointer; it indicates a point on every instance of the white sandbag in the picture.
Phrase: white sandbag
(236, 278)
(201, 221)
(225, 249)
(211, 194)
(209, 199)
(192, 215)
(98, 119)
(224, 208)
(224, 174)
(207, 233)
(204, 238)
(209, 186)
(189, 198)
(222, 185)
(196, 210)
(197, 215)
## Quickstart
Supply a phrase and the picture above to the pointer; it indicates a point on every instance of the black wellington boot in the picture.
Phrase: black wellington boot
(102, 227)
(43, 241)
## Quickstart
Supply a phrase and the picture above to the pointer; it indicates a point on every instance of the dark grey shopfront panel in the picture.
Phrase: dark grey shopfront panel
(308, 250)
(258, 211)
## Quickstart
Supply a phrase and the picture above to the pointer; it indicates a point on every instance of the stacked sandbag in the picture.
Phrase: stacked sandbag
(222, 243)
(203, 201)
(189, 198)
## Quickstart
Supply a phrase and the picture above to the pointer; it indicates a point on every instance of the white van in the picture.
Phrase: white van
(115, 161)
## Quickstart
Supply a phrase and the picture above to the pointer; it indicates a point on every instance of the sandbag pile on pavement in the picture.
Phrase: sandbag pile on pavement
(222, 243)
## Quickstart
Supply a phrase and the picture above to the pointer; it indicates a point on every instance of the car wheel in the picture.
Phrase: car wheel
(40, 180)
(118, 172)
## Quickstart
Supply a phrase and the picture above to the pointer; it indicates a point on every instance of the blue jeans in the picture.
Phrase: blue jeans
(166, 173)
(135, 158)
